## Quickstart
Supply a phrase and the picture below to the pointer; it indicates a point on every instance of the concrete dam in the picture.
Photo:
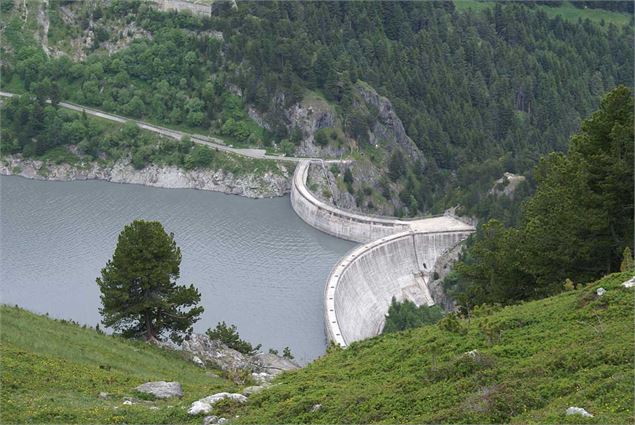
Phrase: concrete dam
(397, 259)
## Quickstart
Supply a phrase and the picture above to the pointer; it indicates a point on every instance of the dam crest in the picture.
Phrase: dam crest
(396, 259)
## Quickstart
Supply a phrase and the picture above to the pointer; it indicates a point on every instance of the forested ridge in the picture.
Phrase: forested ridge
(577, 226)
(479, 93)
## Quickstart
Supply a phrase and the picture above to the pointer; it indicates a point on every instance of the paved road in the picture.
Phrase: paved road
(212, 142)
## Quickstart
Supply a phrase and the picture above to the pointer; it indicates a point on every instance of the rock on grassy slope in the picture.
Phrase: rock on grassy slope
(522, 364)
(57, 372)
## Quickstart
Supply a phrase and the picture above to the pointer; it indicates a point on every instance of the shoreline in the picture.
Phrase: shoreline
(268, 185)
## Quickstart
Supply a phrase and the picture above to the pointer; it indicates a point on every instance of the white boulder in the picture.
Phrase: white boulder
(161, 389)
(205, 405)
(578, 411)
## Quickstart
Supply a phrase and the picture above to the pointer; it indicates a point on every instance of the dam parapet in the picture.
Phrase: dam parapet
(397, 259)
(353, 226)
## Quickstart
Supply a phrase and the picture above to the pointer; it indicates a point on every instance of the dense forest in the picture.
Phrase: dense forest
(577, 226)
(479, 93)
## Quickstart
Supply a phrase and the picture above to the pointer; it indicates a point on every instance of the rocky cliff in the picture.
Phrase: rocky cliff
(387, 129)
(250, 185)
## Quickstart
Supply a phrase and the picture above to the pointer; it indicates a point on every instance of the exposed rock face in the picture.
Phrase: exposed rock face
(273, 364)
(363, 173)
(441, 268)
(122, 35)
(388, 128)
(310, 116)
(201, 9)
(264, 366)
(161, 389)
(258, 118)
(206, 404)
(216, 353)
(507, 185)
(251, 186)
(325, 182)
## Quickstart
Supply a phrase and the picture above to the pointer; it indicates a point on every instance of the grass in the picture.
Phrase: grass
(462, 5)
(566, 11)
(533, 361)
(571, 13)
(53, 372)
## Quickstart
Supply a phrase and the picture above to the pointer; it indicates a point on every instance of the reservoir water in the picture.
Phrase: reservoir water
(256, 264)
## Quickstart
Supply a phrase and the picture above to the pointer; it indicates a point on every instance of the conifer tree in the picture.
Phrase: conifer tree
(139, 294)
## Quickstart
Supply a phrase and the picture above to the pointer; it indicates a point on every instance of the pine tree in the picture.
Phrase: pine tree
(627, 261)
(139, 294)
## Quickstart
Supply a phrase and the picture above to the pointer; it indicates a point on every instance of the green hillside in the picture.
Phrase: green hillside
(442, 95)
(53, 372)
(533, 361)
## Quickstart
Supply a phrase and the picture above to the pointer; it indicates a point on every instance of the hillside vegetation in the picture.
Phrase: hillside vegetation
(522, 364)
(453, 97)
(532, 362)
(575, 226)
(53, 372)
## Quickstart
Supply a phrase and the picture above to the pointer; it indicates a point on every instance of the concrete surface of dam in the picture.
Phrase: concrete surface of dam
(334, 221)
(362, 284)
(397, 259)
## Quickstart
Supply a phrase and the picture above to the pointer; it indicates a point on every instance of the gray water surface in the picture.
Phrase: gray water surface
(256, 264)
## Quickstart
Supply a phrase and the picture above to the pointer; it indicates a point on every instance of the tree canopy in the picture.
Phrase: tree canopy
(576, 225)
(139, 294)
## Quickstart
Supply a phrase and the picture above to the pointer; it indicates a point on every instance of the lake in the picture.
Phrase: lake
(256, 264)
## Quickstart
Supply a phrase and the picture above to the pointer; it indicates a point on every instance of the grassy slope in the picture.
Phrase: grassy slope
(566, 11)
(53, 372)
(574, 349)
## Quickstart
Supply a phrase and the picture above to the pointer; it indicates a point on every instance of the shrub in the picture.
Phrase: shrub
(200, 157)
(451, 323)
(286, 353)
(229, 336)
(406, 315)
(321, 139)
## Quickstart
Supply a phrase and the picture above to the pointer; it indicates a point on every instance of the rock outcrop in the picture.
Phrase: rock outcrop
(215, 353)
(213, 419)
(507, 185)
(252, 186)
(263, 366)
(205, 405)
(272, 364)
(161, 389)
(309, 116)
(387, 130)
(578, 411)
(441, 268)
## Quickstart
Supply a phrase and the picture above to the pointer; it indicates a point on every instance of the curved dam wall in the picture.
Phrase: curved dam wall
(339, 223)
(397, 259)
(362, 284)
